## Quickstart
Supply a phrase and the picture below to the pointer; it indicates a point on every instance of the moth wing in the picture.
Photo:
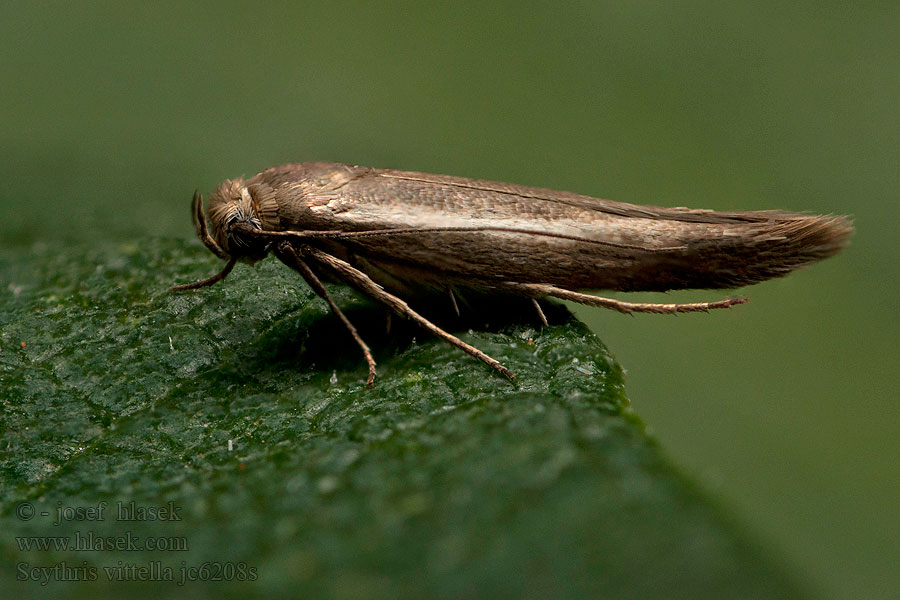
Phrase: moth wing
(536, 235)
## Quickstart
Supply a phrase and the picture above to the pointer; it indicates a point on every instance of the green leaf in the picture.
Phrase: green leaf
(243, 410)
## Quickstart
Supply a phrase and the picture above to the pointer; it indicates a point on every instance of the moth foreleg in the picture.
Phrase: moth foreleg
(364, 283)
(537, 290)
(289, 256)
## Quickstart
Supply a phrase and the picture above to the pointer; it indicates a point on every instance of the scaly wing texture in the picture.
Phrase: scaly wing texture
(561, 238)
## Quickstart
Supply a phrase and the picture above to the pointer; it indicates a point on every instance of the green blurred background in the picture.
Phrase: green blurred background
(785, 409)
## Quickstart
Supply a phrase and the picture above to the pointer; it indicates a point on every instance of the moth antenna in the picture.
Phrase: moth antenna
(209, 280)
(200, 227)
(305, 236)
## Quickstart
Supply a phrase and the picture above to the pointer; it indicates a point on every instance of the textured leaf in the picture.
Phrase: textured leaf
(244, 406)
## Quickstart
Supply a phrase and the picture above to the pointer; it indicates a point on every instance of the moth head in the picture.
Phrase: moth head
(232, 212)
(233, 218)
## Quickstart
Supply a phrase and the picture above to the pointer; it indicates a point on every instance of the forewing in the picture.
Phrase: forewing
(534, 235)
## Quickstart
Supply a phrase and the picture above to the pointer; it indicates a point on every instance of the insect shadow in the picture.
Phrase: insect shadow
(322, 344)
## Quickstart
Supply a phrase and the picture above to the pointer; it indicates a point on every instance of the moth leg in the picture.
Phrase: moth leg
(288, 255)
(209, 280)
(363, 283)
(453, 301)
(540, 312)
(537, 290)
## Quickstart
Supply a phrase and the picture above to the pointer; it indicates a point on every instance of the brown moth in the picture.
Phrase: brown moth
(391, 233)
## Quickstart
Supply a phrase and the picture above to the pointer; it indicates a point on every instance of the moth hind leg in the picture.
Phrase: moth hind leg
(540, 312)
(538, 290)
(453, 301)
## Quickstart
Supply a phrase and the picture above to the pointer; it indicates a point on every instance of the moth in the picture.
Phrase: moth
(400, 234)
